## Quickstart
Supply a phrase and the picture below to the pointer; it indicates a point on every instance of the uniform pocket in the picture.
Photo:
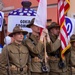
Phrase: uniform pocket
(14, 51)
(24, 51)
(54, 64)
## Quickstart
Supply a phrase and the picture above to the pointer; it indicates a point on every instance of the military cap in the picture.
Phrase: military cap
(72, 38)
(31, 23)
(16, 30)
(53, 25)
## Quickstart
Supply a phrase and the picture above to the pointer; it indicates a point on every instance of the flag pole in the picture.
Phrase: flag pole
(45, 53)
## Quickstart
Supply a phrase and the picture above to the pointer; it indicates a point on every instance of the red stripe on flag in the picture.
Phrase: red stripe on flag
(61, 20)
(38, 0)
(66, 7)
(63, 8)
(62, 37)
(65, 31)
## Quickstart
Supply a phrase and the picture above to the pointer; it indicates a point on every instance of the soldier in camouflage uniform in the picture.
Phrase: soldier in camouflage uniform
(14, 57)
(57, 67)
(36, 48)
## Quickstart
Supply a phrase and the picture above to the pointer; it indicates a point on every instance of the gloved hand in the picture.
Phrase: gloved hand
(59, 37)
(48, 38)
(43, 35)
(47, 35)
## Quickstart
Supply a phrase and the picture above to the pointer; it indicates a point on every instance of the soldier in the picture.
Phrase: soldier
(14, 58)
(36, 48)
(72, 57)
(57, 66)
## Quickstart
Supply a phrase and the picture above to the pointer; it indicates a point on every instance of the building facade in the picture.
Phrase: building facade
(10, 5)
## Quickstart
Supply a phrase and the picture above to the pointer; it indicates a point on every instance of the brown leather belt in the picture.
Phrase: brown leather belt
(53, 58)
(14, 68)
(36, 59)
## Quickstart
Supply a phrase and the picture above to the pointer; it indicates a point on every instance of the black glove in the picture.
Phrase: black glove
(61, 64)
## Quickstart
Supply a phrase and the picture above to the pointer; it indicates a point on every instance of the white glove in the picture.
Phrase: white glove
(47, 35)
(43, 34)
(59, 37)
(48, 38)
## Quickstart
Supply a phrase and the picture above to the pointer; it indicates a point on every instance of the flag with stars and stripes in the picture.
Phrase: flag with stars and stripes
(21, 17)
(63, 6)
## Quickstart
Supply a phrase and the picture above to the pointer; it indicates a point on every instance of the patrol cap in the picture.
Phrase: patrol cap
(16, 30)
(31, 23)
(53, 25)
(72, 38)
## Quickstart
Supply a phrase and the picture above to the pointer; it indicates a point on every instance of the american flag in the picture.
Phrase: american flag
(23, 12)
(63, 6)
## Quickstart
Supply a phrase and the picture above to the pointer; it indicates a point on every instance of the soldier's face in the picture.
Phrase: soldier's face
(18, 36)
(35, 28)
(35, 31)
(55, 31)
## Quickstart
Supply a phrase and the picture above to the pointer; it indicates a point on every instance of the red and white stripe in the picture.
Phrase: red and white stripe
(63, 7)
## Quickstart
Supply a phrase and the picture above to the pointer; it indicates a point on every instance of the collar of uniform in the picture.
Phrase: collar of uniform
(73, 48)
(16, 44)
(53, 38)
(33, 37)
